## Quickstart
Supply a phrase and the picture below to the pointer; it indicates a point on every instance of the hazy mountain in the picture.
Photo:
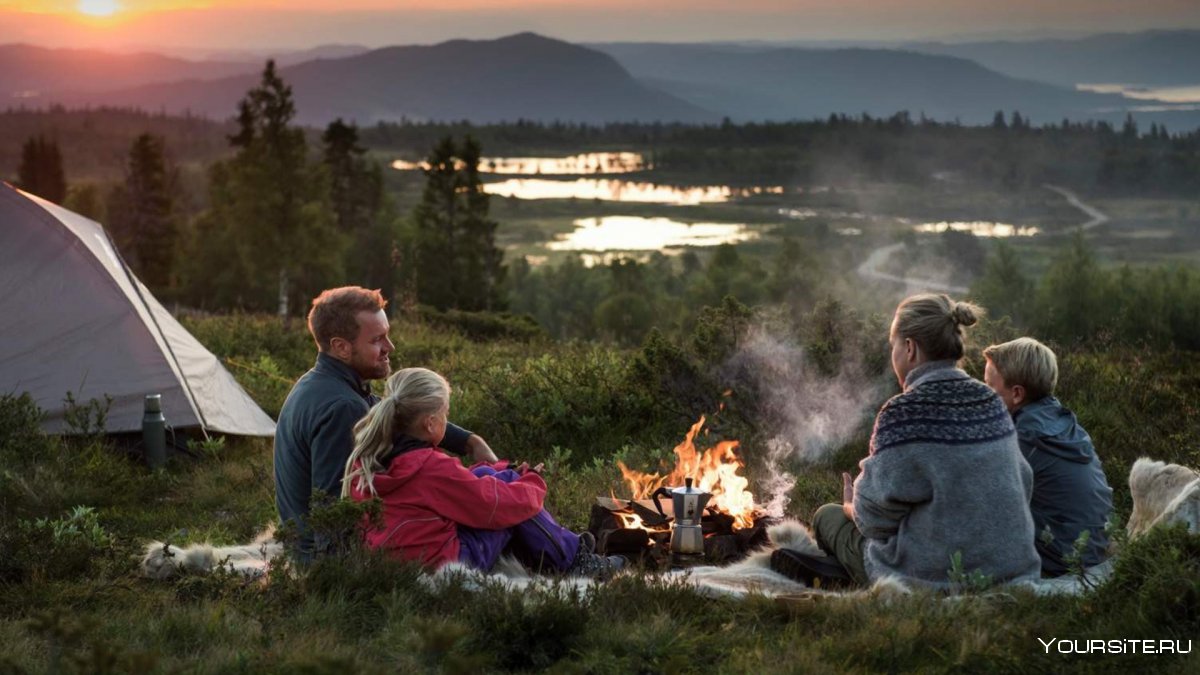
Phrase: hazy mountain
(1149, 58)
(256, 57)
(521, 76)
(29, 72)
(787, 83)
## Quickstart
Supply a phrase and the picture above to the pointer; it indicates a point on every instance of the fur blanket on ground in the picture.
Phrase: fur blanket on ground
(1162, 494)
(163, 561)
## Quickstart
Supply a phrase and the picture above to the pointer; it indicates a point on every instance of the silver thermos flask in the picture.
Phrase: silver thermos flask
(154, 432)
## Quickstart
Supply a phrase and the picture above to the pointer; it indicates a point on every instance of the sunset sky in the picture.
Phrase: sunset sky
(260, 24)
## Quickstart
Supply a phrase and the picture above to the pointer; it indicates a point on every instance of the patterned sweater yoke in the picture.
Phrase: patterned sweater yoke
(944, 406)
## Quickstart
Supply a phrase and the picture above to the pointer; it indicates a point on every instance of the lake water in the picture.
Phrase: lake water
(590, 162)
(980, 228)
(617, 190)
(635, 233)
(1177, 94)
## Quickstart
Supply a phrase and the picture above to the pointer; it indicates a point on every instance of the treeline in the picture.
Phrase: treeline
(95, 141)
(1010, 153)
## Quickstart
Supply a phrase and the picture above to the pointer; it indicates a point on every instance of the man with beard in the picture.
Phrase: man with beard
(315, 432)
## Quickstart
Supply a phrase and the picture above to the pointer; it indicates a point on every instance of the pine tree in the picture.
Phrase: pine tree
(41, 169)
(143, 221)
(1129, 131)
(458, 263)
(363, 214)
(1072, 298)
(269, 238)
(1003, 288)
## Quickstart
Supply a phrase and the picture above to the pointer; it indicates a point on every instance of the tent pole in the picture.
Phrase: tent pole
(133, 281)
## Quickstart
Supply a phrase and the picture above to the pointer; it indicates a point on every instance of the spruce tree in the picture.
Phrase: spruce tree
(143, 220)
(364, 215)
(457, 261)
(1004, 288)
(269, 238)
(41, 169)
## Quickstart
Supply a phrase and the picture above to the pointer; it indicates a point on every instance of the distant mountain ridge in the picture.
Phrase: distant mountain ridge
(528, 76)
(1149, 58)
(28, 71)
(786, 83)
(522, 76)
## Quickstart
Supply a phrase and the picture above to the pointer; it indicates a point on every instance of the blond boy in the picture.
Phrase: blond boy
(1070, 493)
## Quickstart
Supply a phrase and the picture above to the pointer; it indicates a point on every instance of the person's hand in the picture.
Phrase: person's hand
(480, 451)
(524, 467)
(847, 488)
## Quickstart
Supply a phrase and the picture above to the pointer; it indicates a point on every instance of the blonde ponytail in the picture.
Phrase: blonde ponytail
(410, 392)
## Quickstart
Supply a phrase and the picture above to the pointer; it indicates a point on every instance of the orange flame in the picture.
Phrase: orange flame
(715, 470)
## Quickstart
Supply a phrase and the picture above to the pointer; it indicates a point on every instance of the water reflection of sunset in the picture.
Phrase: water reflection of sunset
(620, 191)
(634, 233)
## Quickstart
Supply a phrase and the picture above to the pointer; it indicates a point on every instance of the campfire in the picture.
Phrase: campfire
(634, 527)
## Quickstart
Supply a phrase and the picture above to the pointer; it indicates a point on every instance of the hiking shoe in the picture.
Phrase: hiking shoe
(587, 542)
(589, 564)
(813, 571)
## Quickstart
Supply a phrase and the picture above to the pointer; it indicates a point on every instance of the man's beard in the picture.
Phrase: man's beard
(370, 370)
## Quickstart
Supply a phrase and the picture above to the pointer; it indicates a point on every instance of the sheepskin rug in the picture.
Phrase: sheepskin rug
(1163, 494)
(163, 561)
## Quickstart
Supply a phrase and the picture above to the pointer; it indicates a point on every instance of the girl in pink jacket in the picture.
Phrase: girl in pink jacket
(435, 510)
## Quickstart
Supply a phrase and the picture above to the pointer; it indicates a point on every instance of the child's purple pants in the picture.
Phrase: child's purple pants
(539, 542)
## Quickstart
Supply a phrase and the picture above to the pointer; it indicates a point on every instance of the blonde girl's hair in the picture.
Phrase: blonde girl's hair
(1026, 362)
(410, 393)
(935, 323)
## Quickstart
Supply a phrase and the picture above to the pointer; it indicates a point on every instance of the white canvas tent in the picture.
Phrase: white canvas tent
(73, 318)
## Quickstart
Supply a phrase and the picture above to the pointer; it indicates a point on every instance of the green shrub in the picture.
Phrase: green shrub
(1155, 586)
(61, 548)
(484, 326)
(527, 633)
(20, 427)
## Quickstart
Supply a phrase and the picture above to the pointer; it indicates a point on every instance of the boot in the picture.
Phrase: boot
(813, 571)
(588, 563)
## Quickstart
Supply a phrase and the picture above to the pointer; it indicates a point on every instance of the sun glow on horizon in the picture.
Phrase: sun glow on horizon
(98, 7)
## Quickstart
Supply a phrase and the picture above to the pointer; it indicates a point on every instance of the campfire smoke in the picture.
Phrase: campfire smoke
(811, 414)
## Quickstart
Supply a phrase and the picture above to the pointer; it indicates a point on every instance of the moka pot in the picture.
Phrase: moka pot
(687, 534)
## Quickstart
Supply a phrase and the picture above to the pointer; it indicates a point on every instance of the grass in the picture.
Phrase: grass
(89, 611)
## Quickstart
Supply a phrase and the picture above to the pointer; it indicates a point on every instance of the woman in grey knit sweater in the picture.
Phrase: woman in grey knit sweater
(944, 481)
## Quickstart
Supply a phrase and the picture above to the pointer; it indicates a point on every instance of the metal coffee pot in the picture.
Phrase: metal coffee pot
(687, 534)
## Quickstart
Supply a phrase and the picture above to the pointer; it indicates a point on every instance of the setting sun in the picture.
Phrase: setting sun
(99, 7)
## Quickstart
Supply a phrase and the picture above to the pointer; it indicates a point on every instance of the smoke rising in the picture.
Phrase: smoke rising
(806, 415)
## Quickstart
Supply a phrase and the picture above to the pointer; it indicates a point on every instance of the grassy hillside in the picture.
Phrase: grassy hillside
(71, 600)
